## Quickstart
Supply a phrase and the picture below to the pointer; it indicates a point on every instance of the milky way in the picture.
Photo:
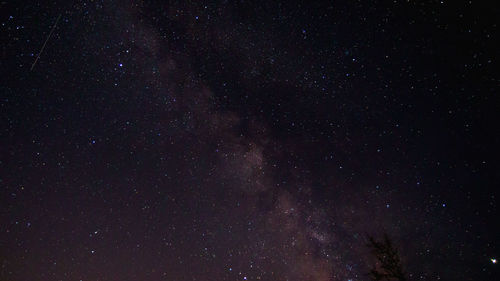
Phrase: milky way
(246, 141)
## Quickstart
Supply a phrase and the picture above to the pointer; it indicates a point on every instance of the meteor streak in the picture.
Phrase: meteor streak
(45, 43)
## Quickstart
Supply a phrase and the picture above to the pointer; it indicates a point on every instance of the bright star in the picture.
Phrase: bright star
(493, 260)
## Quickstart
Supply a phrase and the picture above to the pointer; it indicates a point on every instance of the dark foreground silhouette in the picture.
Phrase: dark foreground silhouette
(388, 266)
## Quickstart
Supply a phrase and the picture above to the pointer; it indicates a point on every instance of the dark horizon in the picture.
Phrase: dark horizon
(247, 140)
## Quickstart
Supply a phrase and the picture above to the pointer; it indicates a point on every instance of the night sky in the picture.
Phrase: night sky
(247, 140)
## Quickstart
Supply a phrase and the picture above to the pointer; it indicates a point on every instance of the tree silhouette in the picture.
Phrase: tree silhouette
(388, 265)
